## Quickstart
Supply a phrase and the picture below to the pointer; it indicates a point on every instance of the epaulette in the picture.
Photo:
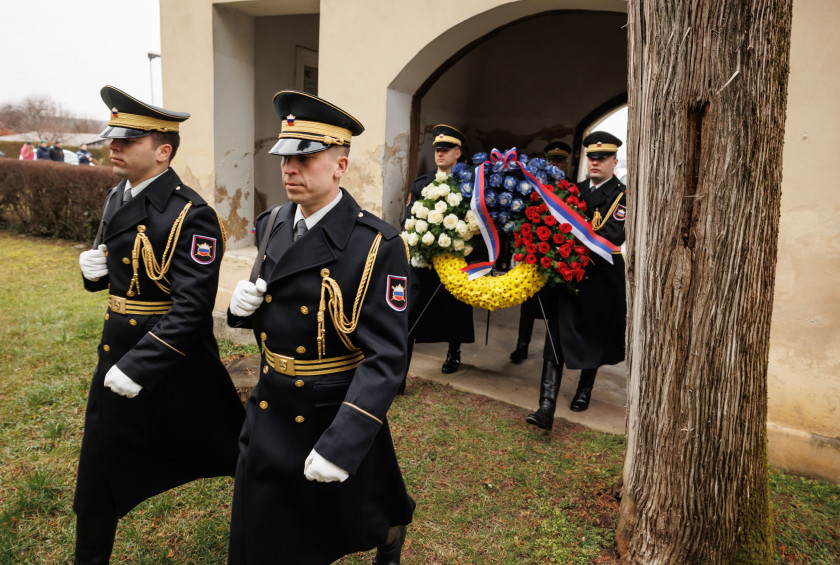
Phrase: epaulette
(189, 195)
(375, 222)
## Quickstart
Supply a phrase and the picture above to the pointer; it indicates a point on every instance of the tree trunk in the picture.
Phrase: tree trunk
(707, 84)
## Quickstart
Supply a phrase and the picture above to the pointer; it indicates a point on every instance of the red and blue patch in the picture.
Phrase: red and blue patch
(396, 292)
(203, 249)
(620, 213)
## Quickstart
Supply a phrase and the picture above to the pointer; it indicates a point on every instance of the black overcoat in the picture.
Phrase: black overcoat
(185, 422)
(591, 325)
(445, 318)
(278, 516)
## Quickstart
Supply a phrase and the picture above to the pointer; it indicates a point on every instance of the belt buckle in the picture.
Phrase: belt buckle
(116, 304)
(284, 365)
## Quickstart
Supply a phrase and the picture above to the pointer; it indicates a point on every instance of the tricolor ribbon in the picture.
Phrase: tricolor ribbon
(581, 229)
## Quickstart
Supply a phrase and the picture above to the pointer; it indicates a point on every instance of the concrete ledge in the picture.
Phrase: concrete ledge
(804, 452)
(223, 331)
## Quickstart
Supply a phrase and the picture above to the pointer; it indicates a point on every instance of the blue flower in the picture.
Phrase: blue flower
(504, 217)
(498, 166)
(517, 205)
(494, 214)
(542, 177)
(523, 159)
(495, 180)
(508, 227)
(457, 168)
(465, 175)
(539, 163)
(525, 188)
(479, 158)
(505, 199)
(532, 168)
(555, 172)
(466, 189)
(490, 198)
(510, 182)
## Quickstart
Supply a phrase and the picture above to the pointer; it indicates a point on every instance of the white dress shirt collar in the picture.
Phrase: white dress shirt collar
(316, 217)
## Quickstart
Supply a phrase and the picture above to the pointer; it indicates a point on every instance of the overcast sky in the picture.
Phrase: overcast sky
(69, 50)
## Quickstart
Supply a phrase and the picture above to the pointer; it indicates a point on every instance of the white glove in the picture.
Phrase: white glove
(93, 263)
(247, 297)
(121, 383)
(319, 469)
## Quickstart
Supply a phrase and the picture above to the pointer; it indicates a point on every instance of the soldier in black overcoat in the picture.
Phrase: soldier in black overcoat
(318, 477)
(591, 325)
(162, 409)
(436, 316)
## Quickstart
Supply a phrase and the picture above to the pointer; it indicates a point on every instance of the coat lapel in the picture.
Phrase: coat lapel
(133, 212)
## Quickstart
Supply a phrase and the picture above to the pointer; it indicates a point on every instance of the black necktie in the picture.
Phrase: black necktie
(300, 228)
(126, 195)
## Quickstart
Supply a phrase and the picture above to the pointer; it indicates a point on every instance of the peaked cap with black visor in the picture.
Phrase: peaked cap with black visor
(600, 144)
(447, 137)
(131, 118)
(310, 124)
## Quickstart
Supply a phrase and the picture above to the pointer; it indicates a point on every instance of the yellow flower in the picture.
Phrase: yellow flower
(491, 293)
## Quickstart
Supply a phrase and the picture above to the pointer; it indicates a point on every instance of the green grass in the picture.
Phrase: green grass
(488, 488)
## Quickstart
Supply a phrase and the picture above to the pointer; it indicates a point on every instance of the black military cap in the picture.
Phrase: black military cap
(557, 150)
(131, 118)
(600, 144)
(311, 124)
(447, 137)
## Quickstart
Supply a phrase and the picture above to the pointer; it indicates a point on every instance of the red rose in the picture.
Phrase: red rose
(567, 275)
(517, 241)
(525, 229)
(573, 189)
(564, 251)
(562, 268)
(530, 248)
(526, 239)
(580, 250)
(574, 265)
(550, 221)
(542, 208)
(564, 184)
(558, 238)
(530, 258)
(566, 228)
(579, 274)
(543, 248)
(535, 196)
(572, 201)
(518, 257)
(545, 262)
(584, 260)
(543, 233)
(582, 206)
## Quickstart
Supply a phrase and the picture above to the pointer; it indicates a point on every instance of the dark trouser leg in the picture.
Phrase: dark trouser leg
(389, 554)
(453, 358)
(95, 539)
(526, 328)
(584, 390)
(552, 374)
(408, 354)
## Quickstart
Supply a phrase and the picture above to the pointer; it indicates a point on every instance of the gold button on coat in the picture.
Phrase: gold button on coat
(263, 404)
(106, 347)
(304, 310)
(298, 383)
(132, 322)
(265, 369)
(268, 298)
(107, 316)
(126, 260)
(263, 336)
(301, 349)
(325, 272)
(299, 419)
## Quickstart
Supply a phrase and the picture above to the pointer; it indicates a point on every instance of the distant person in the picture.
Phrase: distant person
(27, 152)
(57, 152)
(85, 157)
(42, 153)
(590, 326)
(162, 410)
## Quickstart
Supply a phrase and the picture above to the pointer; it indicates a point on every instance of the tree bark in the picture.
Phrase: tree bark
(707, 97)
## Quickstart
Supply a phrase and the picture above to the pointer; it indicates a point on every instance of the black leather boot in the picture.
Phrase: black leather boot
(95, 539)
(584, 390)
(389, 554)
(453, 359)
(549, 387)
(526, 327)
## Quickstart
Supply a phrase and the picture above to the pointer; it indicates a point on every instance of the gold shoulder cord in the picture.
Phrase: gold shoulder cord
(597, 222)
(343, 326)
(154, 270)
(223, 230)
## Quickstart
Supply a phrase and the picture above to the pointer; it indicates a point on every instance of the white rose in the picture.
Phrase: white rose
(462, 228)
(428, 238)
(413, 239)
(441, 206)
(454, 198)
(467, 250)
(418, 262)
(457, 244)
(426, 190)
(440, 176)
(435, 217)
(444, 191)
(444, 240)
(420, 226)
(470, 217)
(421, 212)
(409, 224)
(450, 221)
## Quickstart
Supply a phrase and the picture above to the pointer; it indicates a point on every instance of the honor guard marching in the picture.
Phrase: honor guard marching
(590, 326)
(436, 315)
(162, 409)
(318, 477)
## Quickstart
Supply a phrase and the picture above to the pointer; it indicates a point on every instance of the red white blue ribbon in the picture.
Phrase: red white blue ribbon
(581, 229)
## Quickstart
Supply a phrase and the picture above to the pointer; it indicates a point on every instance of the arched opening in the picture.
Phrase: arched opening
(613, 121)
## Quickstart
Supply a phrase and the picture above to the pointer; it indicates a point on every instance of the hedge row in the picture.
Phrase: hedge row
(53, 199)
